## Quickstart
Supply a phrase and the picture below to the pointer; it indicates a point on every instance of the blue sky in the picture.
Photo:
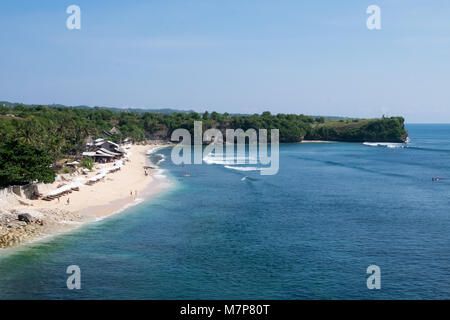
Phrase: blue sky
(246, 56)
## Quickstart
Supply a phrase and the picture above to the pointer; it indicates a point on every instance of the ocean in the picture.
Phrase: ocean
(309, 232)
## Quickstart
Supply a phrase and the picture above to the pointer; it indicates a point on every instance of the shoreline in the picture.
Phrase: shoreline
(118, 192)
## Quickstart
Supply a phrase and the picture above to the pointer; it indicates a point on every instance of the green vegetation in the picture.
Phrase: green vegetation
(361, 130)
(87, 163)
(21, 163)
(35, 137)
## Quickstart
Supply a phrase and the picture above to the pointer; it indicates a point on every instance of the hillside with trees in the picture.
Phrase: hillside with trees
(39, 136)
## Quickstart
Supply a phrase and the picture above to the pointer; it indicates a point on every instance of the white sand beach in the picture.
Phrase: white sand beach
(128, 186)
(114, 192)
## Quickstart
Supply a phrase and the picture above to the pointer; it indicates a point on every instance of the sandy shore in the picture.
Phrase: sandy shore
(115, 192)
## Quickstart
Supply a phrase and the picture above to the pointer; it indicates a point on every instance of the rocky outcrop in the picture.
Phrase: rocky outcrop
(16, 232)
(17, 227)
(13, 230)
(25, 217)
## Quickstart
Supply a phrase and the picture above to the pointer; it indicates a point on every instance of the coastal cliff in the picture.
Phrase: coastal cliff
(361, 130)
(63, 130)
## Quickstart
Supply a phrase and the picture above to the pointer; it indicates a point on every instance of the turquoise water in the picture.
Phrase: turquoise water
(308, 232)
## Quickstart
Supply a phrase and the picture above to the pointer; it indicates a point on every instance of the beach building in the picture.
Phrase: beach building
(89, 143)
(110, 133)
(102, 151)
(73, 163)
(107, 145)
(114, 130)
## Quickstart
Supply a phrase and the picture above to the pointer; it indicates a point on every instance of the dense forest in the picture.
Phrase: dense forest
(33, 138)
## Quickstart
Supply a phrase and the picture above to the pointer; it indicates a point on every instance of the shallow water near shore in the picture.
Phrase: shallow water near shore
(308, 232)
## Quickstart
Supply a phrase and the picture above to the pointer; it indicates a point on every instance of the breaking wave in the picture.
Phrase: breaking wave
(390, 145)
(161, 158)
(243, 168)
(223, 160)
(236, 163)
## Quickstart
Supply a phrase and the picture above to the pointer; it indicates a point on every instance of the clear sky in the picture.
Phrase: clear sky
(240, 56)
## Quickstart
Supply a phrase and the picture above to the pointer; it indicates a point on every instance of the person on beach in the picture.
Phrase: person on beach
(68, 201)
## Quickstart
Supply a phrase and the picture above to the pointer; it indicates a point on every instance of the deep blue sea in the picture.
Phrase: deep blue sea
(308, 232)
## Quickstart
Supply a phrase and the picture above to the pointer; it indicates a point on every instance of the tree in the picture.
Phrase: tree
(3, 109)
(320, 119)
(215, 116)
(87, 163)
(62, 131)
(21, 163)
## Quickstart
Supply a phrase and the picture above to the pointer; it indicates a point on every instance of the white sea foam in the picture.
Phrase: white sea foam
(243, 168)
(163, 158)
(71, 222)
(223, 160)
(389, 145)
(152, 150)
(159, 174)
